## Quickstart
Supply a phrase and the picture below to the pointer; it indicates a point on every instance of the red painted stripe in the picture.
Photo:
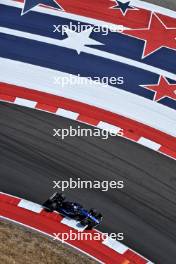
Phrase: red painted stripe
(168, 151)
(46, 107)
(6, 97)
(168, 21)
(9, 199)
(131, 135)
(50, 226)
(88, 120)
(100, 10)
(134, 258)
(132, 128)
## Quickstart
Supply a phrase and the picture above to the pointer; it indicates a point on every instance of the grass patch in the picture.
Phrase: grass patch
(19, 245)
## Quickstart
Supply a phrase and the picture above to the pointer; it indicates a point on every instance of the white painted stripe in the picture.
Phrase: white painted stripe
(149, 262)
(115, 245)
(148, 143)
(96, 52)
(109, 98)
(73, 223)
(112, 129)
(24, 102)
(67, 114)
(30, 206)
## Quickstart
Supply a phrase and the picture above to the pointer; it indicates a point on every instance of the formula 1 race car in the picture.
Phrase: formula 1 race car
(57, 202)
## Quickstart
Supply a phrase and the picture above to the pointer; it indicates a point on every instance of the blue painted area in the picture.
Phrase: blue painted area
(87, 65)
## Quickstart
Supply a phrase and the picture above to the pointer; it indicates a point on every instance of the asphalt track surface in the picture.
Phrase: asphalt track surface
(31, 158)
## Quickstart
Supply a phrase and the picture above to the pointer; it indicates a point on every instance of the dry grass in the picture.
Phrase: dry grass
(19, 245)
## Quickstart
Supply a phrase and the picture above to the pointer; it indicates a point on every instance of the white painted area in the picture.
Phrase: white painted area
(148, 143)
(149, 262)
(25, 102)
(73, 223)
(67, 114)
(109, 98)
(112, 129)
(36, 208)
(67, 43)
(115, 245)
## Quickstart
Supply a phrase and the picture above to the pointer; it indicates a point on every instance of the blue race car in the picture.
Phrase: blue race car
(57, 202)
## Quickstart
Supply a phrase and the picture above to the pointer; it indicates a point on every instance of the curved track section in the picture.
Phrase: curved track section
(93, 243)
(31, 158)
(128, 128)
